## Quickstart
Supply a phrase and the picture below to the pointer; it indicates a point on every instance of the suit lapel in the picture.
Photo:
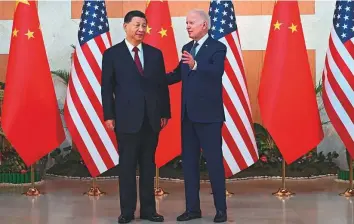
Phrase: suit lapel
(146, 59)
(200, 52)
(189, 47)
(202, 48)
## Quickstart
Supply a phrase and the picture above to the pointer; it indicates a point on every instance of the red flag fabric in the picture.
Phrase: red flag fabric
(160, 35)
(286, 95)
(31, 119)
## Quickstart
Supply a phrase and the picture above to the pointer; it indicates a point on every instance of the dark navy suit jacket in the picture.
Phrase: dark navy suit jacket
(202, 88)
(127, 95)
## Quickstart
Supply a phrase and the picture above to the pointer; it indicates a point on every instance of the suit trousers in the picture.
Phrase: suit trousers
(205, 136)
(137, 149)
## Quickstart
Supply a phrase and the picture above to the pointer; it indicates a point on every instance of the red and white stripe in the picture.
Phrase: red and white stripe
(338, 85)
(239, 143)
(83, 109)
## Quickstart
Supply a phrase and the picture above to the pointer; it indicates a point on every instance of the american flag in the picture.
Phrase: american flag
(338, 74)
(83, 109)
(239, 144)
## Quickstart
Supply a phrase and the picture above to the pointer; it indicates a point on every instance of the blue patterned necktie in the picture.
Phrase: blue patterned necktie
(193, 50)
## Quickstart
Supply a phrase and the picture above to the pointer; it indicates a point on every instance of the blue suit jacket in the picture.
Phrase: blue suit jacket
(128, 96)
(202, 88)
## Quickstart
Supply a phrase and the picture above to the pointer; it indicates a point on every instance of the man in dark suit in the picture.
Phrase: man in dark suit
(200, 71)
(136, 105)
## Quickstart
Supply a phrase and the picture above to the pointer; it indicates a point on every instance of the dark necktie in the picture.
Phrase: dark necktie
(193, 50)
(137, 60)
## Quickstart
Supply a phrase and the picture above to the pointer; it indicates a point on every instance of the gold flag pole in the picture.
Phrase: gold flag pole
(350, 191)
(94, 190)
(283, 192)
(32, 191)
(158, 190)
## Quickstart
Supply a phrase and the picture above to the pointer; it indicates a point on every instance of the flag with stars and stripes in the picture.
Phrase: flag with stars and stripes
(83, 109)
(239, 144)
(338, 74)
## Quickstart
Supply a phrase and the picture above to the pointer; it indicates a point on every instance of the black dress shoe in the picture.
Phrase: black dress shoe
(125, 218)
(153, 218)
(186, 216)
(220, 216)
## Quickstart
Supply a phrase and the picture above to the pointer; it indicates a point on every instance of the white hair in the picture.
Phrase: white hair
(203, 15)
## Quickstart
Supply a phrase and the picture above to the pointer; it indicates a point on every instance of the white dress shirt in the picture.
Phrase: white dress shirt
(132, 53)
(200, 43)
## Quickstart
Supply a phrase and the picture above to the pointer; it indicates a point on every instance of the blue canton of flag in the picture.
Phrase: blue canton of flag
(343, 20)
(222, 18)
(93, 22)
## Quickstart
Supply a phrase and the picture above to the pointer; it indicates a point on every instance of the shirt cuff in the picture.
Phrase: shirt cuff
(195, 65)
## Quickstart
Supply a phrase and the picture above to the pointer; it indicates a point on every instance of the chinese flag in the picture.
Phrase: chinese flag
(160, 35)
(286, 95)
(30, 119)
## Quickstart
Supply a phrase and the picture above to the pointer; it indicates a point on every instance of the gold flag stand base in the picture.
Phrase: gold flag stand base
(283, 192)
(94, 190)
(350, 191)
(32, 191)
(158, 190)
(229, 194)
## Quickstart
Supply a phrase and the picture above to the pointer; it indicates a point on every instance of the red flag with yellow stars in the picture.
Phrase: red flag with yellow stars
(286, 95)
(160, 35)
(31, 119)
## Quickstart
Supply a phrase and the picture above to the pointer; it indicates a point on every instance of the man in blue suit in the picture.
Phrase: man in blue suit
(200, 71)
(136, 104)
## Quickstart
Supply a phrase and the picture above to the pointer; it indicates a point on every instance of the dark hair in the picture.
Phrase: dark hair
(135, 13)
